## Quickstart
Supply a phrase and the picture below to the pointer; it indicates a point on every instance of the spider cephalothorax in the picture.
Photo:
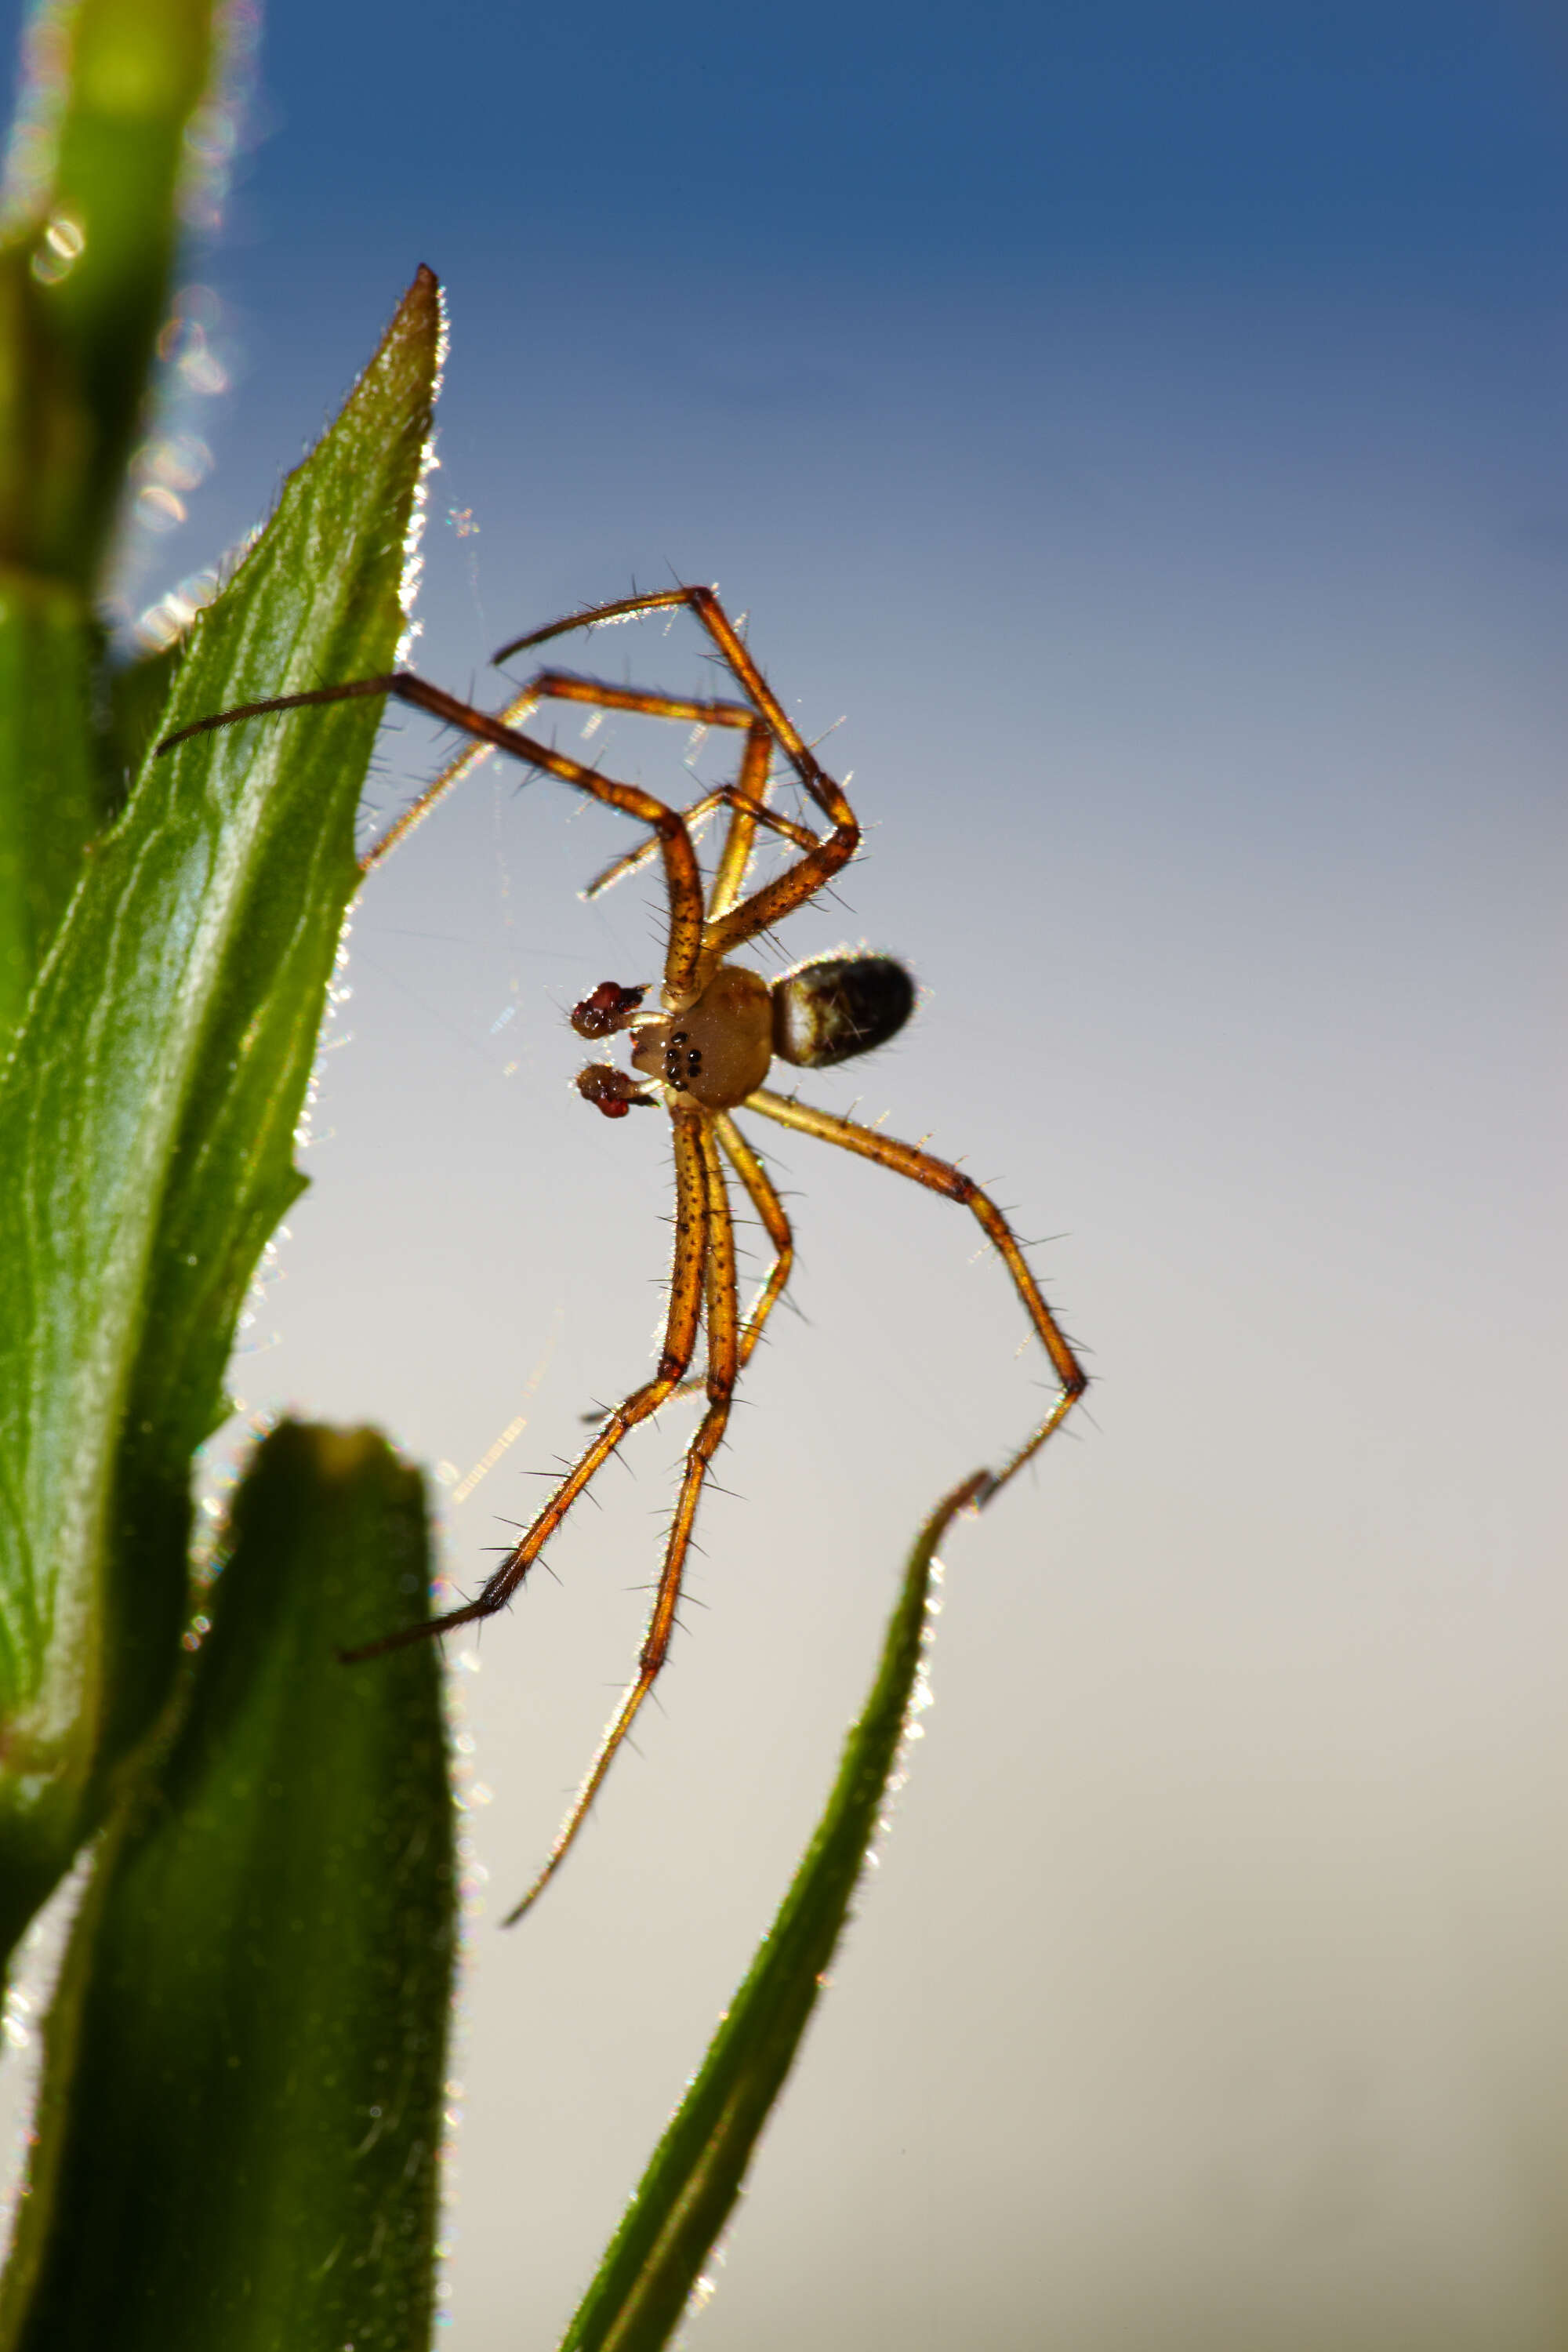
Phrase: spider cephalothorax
(717, 1046)
(704, 1053)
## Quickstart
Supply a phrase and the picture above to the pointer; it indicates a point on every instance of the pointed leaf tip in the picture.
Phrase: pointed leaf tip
(147, 1112)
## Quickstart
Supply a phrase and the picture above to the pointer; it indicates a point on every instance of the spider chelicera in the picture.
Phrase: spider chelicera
(703, 1053)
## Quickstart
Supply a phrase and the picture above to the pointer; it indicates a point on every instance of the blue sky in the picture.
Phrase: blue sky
(714, 157)
(1076, 139)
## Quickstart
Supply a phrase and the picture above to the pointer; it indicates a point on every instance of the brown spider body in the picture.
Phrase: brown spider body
(704, 1055)
(717, 1049)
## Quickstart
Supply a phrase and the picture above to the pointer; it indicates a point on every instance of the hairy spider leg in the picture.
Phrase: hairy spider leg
(776, 1225)
(728, 796)
(452, 775)
(723, 1361)
(752, 788)
(708, 610)
(693, 1190)
(683, 879)
(566, 686)
(747, 797)
(797, 883)
(941, 1176)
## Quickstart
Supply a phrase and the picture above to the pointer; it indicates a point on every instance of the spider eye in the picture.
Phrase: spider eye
(836, 1006)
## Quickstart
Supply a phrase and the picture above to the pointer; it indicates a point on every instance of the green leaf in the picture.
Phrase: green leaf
(656, 2257)
(53, 793)
(100, 259)
(138, 692)
(148, 1112)
(84, 284)
(241, 2113)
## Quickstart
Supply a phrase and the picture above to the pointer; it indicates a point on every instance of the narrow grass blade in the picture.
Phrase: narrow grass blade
(239, 2131)
(656, 2257)
(147, 1114)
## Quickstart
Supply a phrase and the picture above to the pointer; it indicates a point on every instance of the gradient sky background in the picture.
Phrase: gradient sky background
(1146, 426)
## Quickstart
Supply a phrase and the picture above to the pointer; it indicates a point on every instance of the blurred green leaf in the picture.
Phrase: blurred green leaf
(53, 791)
(656, 2257)
(99, 258)
(84, 285)
(137, 692)
(241, 2113)
(148, 1113)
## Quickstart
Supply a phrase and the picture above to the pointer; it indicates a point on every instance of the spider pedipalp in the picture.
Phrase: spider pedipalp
(609, 1008)
(612, 1090)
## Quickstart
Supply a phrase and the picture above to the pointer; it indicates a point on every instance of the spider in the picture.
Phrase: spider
(703, 1051)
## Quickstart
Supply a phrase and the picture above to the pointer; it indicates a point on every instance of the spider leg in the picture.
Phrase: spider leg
(941, 1176)
(538, 690)
(705, 606)
(752, 787)
(798, 883)
(724, 1358)
(747, 797)
(683, 878)
(627, 608)
(771, 1210)
(784, 893)
(619, 869)
(399, 830)
(567, 686)
(692, 1191)
(728, 796)
(730, 926)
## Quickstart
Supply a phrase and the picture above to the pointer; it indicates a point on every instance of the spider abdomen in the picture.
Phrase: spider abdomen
(836, 1006)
